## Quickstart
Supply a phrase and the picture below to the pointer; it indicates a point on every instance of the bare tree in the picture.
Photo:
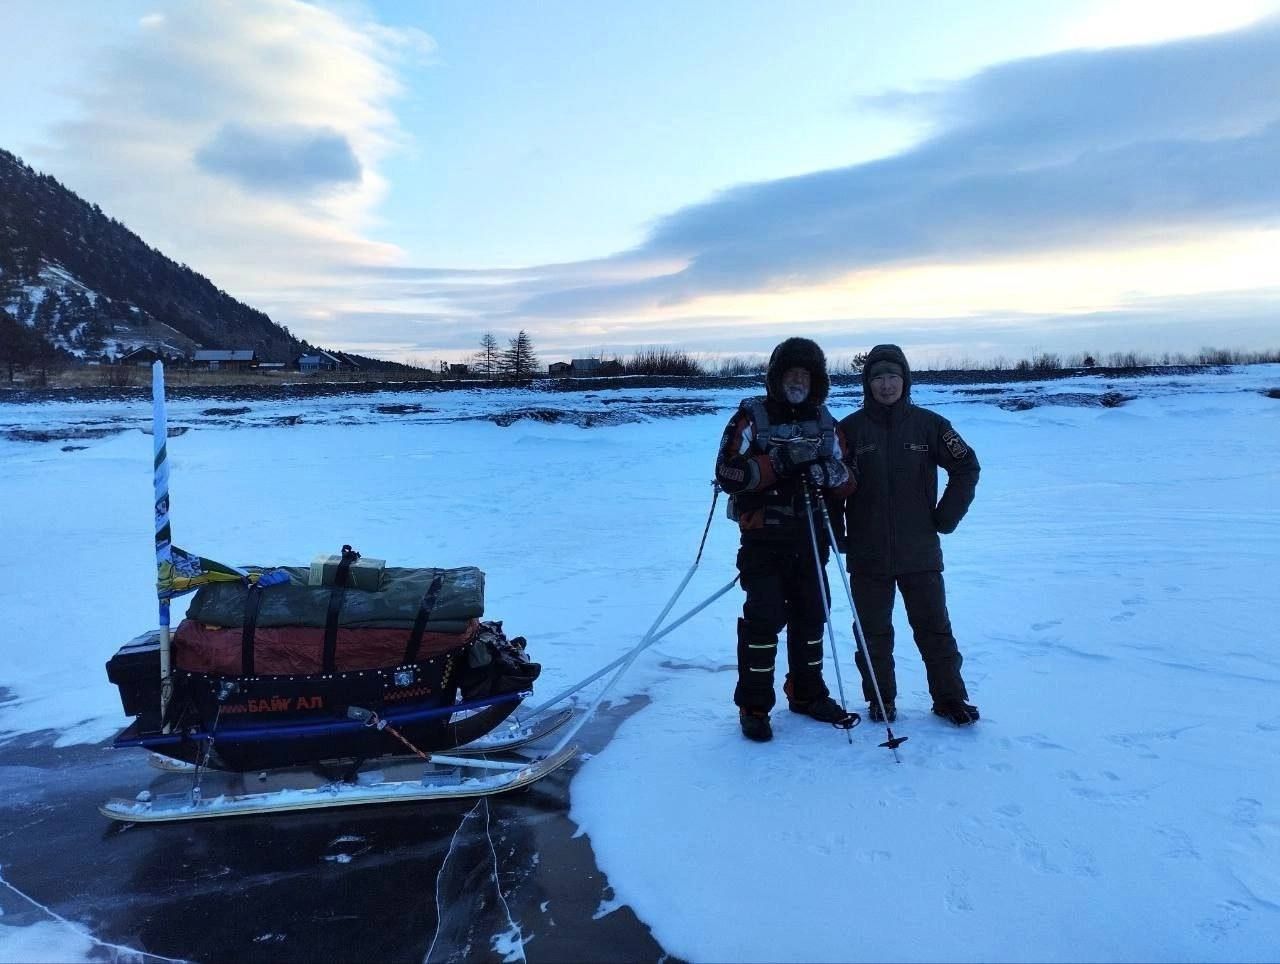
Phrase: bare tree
(488, 360)
(519, 361)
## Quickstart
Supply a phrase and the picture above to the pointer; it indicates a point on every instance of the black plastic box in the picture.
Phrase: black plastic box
(135, 669)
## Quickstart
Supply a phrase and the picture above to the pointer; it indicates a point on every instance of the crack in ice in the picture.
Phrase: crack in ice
(82, 931)
(440, 876)
(516, 933)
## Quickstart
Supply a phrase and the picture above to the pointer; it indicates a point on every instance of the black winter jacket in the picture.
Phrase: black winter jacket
(893, 519)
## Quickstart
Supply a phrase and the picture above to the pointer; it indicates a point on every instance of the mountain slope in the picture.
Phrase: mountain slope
(88, 284)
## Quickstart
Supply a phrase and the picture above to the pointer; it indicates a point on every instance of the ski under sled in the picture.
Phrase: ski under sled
(446, 778)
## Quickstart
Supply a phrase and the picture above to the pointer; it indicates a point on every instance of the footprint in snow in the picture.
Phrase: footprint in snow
(1246, 812)
(1040, 742)
(1230, 915)
(958, 892)
(1179, 845)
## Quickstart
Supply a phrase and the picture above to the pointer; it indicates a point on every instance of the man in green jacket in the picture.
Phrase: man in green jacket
(892, 523)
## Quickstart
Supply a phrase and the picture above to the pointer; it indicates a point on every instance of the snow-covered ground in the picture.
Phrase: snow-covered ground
(1114, 591)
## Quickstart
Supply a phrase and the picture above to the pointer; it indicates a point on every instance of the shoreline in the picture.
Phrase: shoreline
(301, 387)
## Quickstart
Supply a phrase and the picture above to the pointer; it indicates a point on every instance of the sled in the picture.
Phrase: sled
(338, 666)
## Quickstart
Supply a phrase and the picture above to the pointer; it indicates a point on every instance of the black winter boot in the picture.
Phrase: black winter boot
(824, 709)
(755, 725)
(957, 711)
(889, 715)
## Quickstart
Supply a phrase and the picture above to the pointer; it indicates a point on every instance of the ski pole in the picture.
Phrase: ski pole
(820, 572)
(892, 742)
(644, 644)
(650, 636)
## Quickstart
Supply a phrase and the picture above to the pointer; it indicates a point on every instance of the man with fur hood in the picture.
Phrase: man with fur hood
(775, 450)
(892, 524)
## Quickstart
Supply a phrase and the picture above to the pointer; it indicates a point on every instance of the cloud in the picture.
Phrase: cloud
(248, 138)
(1096, 147)
(244, 137)
(284, 159)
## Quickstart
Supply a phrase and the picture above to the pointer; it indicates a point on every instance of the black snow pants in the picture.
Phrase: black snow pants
(783, 590)
(925, 597)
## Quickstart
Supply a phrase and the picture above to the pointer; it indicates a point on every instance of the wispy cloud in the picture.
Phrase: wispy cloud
(266, 122)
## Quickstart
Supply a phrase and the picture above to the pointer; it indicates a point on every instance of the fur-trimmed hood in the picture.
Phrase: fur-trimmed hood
(799, 353)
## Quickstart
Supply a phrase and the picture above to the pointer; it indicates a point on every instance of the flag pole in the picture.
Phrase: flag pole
(164, 543)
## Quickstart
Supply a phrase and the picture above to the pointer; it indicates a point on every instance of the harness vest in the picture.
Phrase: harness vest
(779, 500)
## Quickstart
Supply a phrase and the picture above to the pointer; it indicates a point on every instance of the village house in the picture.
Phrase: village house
(326, 361)
(146, 355)
(142, 356)
(594, 368)
(235, 359)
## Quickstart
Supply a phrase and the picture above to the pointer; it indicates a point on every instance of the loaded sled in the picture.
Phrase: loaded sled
(270, 677)
(341, 664)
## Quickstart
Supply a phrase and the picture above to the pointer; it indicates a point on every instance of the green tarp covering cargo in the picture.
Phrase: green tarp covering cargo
(394, 605)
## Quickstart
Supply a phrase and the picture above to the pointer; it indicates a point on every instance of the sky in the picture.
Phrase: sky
(970, 181)
(1119, 800)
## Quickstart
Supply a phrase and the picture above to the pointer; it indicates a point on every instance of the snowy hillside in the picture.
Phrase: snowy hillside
(76, 319)
(1113, 591)
(88, 285)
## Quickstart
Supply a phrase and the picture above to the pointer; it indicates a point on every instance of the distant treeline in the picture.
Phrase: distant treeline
(673, 362)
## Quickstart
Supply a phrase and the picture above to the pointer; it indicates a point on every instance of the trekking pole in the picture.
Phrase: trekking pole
(892, 742)
(643, 645)
(649, 637)
(848, 722)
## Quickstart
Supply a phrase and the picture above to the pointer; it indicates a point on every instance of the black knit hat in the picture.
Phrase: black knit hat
(886, 353)
(884, 367)
(799, 353)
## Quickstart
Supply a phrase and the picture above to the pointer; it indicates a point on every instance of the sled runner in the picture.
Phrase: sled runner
(448, 779)
(343, 663)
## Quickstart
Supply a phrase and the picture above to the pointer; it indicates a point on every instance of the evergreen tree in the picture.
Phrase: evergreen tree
(47, 313)
(23, 309)
(519, 361)
(19, 345)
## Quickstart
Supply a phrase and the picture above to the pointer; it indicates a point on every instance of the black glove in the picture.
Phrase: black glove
(943, 524)
(829, 473)
(790, 457)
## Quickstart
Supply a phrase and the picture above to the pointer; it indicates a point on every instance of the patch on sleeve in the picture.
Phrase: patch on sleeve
(955, 444)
